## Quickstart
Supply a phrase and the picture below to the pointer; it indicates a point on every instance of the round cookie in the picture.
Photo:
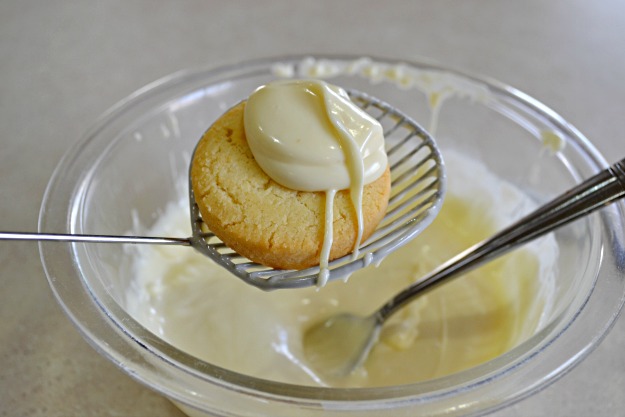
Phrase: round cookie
(262, 220)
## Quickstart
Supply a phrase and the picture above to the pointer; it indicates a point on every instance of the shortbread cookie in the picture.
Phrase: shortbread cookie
(262, 220)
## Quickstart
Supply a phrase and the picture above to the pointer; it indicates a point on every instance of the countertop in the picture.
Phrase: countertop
(62, 63)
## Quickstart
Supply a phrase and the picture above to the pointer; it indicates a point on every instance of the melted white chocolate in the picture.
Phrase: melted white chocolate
(198, 307)
(308, 135)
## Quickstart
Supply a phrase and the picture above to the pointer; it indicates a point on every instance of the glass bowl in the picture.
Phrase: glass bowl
(130, 165)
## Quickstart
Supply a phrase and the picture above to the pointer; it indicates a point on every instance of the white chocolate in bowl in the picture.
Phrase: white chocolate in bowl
(196, 306)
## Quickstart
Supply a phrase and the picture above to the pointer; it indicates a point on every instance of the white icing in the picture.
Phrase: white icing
(183, 297)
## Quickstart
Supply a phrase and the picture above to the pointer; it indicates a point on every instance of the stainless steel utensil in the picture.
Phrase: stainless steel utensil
(418, 185)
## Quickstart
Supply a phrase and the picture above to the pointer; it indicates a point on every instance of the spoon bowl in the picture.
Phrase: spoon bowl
(340, 344)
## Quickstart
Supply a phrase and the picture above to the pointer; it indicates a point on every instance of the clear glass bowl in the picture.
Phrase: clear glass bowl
(129, 165)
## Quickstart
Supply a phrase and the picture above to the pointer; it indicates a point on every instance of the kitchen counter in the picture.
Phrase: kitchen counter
(62, 63)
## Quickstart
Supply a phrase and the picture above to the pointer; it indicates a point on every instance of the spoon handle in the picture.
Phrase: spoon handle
(592, 194)
(60, 237)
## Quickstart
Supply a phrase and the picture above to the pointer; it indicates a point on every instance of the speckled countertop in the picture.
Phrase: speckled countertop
(62, 63)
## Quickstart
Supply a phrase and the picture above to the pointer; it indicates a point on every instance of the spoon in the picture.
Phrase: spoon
(340, 344)
(416, 197)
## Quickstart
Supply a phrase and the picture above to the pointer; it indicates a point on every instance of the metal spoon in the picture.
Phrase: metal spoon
(339, 345)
